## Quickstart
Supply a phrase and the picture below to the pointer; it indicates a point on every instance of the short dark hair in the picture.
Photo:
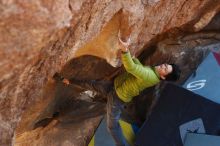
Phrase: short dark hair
(175, 74)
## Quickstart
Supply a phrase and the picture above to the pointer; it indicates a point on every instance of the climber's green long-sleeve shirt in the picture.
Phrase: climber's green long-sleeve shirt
(136, 79)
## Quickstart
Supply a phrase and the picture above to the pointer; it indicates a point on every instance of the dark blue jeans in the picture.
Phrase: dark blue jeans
(114, 106)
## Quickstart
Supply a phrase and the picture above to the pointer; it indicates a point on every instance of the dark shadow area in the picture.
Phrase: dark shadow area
(214, 24)
(136, 111)
(87, 67)
(70, 104)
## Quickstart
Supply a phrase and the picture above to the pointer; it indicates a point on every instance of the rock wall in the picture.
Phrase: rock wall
(40, 37)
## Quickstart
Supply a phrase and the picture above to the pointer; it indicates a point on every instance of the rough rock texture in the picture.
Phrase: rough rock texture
(41, 37)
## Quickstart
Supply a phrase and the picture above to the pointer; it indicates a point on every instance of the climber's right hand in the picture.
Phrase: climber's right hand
(123, 44)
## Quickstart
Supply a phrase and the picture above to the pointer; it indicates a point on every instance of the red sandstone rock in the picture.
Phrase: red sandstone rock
(39, 37)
